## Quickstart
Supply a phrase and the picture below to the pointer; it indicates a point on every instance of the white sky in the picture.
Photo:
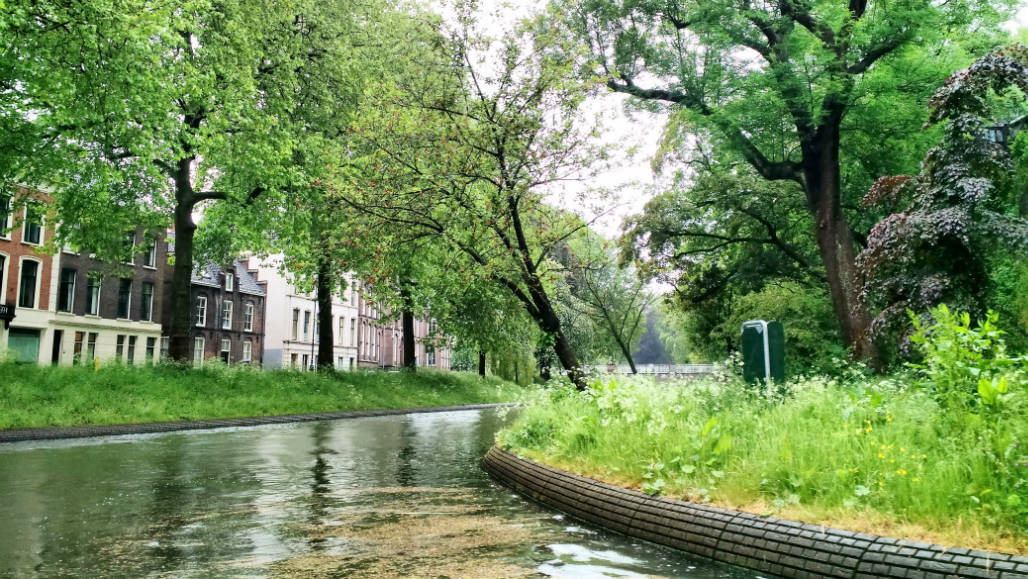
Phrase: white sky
(632, 182)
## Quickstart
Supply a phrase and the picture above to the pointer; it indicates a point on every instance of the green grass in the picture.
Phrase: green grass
(33, 396)
(874, 455)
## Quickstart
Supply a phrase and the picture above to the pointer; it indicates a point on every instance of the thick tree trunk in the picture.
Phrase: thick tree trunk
(481, 363)
(835, 243)
(407, 321)
(326, 335)
(180, 307)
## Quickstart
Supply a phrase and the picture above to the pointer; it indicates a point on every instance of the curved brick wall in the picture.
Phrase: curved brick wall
(785, 548)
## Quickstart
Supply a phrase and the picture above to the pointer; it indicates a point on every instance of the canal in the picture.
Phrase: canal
(367, 497)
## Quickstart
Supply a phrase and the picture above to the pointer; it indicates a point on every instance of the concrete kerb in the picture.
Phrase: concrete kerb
(54, 433)
(785, 548)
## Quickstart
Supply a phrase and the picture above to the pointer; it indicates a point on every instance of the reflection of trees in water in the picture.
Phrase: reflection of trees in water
(320, 482)
(405, 472)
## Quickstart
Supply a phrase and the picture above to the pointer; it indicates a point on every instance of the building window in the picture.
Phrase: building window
(131, 350)
(165, 345)
(226, 315)
(306, 326)
(3, 274)
(353, 332)
(341, 337)
(198, 351)
(247, 351)
(130, 246)
(201, 311)
(5, 216)
(124, 297)
(93, 295)
(66, 290)
(76, 352)
(150, 257)
(32, 228)
(296, 324)
(230, 282)
(306, 362)
(429, 355)
(91, 346)
(226, 351)
(248, 317)
(28, 283)
(292, 360)
(151, 346)
(146, 308)
(119, 348)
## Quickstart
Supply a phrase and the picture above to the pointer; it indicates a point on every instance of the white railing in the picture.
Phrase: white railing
(657, 369)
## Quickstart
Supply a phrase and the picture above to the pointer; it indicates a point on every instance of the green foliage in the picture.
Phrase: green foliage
(33, 396)
(964, 367)
(833, 449)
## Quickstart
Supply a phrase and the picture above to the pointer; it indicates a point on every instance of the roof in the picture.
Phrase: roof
(213, 275)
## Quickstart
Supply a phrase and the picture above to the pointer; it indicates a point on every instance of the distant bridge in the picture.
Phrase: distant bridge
(684, 370)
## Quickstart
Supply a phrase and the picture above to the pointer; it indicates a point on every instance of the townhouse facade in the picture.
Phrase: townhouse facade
(380, 340)
(227, 317)
(292, 327)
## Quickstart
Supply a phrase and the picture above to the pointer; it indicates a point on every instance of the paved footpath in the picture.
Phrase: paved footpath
(57, 432)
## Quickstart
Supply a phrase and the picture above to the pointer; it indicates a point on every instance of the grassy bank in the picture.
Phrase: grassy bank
(33, 396)
(872, 455)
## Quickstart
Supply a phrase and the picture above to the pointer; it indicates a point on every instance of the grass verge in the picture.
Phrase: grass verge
(874, 455)
(33, 396)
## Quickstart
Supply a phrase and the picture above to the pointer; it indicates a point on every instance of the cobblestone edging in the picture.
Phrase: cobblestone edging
(785, 548)
(53, 433)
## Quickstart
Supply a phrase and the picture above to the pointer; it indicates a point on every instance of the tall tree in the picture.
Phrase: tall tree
(467, 160)
(154, 111)
(774, 81)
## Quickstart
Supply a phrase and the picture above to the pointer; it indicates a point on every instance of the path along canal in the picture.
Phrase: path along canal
(367, 497)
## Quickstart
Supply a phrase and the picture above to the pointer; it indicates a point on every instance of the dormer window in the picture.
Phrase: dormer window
(230, 282)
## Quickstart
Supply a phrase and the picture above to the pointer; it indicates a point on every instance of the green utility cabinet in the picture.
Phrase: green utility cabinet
(763, 351)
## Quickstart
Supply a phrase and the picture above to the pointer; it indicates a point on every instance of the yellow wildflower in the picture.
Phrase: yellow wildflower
(901, 471)
(881, 456)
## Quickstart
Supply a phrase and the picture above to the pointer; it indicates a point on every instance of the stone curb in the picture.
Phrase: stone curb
(54, 433)
(785, 548)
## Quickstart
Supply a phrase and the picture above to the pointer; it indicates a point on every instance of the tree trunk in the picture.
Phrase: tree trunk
(326, 335)
(835, 242)
(180, 307)
(407, 321)
(481, 363)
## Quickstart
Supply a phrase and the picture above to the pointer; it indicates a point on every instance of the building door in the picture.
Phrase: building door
(55, 354)
(24, 344)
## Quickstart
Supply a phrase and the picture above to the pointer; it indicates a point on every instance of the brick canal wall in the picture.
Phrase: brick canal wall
(785, 548)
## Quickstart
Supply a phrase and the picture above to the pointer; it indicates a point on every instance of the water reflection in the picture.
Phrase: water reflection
(372, 497)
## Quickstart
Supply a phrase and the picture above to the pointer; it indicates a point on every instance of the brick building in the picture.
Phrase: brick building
(26, 277)
(380, 340)
(228, 306)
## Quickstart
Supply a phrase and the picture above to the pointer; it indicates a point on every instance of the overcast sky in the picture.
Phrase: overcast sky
(633, 182)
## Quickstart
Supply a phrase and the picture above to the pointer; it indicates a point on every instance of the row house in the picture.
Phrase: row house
(70, 308)
(292, 329)
(228, 308)
(380, 342)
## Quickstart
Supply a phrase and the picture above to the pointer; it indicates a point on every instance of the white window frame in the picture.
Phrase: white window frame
(89, 301)
(132, 250)
(230, 281)
(8, 223)
(150, 259)
(60, 288)
(39, 281)
(248, 311)
(143, 301)
(128, 305)
(247, 351)
(296, 324)
(4, 268)
(227, 359)
(198, 321)
(24, 228)
(198, 350)
(226, 315)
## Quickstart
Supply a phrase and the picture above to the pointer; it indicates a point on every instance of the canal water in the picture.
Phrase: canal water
(391, 496)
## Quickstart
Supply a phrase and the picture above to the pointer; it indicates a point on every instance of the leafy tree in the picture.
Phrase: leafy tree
(775, 82)
(957, 211)
(466, 161)
(155, 111)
